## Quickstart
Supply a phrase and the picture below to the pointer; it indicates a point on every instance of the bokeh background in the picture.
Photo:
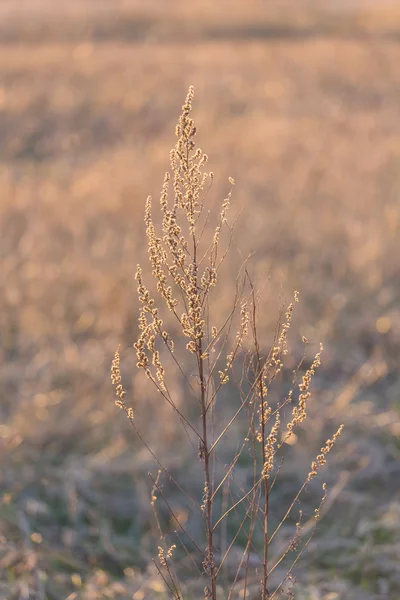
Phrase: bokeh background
(299, 103)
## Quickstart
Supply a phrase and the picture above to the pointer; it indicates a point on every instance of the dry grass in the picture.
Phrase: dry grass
(308, 127)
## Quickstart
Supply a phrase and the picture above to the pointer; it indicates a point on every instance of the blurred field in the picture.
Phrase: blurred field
(301, 107)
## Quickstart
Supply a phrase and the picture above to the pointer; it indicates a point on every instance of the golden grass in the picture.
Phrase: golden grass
(308, 128)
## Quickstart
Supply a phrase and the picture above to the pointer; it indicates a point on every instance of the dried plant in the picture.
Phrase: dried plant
(186, 260)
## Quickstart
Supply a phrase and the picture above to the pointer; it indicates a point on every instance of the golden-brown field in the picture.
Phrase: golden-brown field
(301, 107)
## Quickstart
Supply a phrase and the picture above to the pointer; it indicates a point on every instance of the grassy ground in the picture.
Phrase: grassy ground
(301, 108)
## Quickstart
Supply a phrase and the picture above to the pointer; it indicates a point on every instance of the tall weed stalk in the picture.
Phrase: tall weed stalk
(238, 560)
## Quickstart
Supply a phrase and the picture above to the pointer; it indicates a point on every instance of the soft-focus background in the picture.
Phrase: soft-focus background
(299, 103)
